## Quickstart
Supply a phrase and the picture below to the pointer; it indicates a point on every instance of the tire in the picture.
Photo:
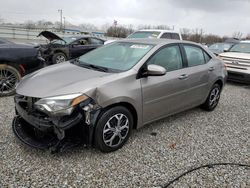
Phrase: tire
(59, 58)
(109, 136)
(9, 78)
(213, 98)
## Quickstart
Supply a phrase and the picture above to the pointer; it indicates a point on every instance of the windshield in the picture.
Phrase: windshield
(118, 56)
(67, 40)
(144, 34)
(241, 47)
(220, 46)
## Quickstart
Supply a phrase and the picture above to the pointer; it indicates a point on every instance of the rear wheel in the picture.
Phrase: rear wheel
(9, 77)
(59, 58)
(213, 98)
(113, 129)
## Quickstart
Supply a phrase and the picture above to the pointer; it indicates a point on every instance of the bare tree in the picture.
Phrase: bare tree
(248, 36)
(29, 25)
(88, 27)
(237, 34)
(118, 31)
(1, 19)
(197, 35)
(165, 27)
(185, 32)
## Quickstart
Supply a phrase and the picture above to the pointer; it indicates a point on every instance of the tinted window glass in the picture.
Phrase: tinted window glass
(169, 58)
(194, 55)
(175, 36)
(166, 35)
(206, 56)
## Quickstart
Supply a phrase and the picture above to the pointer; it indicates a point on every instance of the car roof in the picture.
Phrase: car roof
(155, 41)
(159, 30)
(245, 41)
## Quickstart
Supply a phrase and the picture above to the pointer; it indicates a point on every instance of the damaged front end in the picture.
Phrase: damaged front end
(55, 123)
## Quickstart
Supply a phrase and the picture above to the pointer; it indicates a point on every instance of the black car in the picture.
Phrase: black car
(66, 48)
(16, 60)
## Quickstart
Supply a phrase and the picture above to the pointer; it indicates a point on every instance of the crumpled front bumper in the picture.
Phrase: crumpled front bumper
(41, 131)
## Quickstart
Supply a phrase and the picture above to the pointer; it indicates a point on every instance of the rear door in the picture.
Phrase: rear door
(198, 72)
(164, 95)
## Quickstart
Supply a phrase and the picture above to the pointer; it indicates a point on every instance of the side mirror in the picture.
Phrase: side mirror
(225, 50)
(155, 70)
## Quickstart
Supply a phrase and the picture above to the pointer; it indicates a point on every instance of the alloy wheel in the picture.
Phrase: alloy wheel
(8, 81)
(116, 130)
(60, 59)
(214, 97)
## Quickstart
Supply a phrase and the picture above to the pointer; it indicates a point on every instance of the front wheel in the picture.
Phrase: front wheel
(9, 78)
(59, 58)
(213, 98)
(113, 129)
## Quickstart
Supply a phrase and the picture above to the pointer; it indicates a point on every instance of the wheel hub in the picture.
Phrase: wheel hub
(115, 130)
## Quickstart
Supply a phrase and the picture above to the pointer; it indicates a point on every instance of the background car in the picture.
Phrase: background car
(116, 88)
(16, 60)
(66, 48)
(153, 34)
(156, 33)
(237, 60)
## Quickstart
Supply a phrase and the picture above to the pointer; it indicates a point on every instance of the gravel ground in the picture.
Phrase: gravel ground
(154, 155)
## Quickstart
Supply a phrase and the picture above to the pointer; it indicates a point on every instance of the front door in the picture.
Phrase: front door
(164, 95)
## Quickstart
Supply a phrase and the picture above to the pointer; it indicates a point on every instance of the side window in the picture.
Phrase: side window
(81, 42)
(194, 55)
(168, 57)
(166, 36)
(96, 41)
(175, 36)
(207, 57)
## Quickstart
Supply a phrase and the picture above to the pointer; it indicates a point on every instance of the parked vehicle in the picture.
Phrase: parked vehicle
(63, 49)
(153, 34)
(156, 33)
(108, 92)
(237, 60)
(16, 60)
(221, 47)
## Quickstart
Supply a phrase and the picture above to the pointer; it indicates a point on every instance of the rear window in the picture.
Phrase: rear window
(171, 36)
(144, 34)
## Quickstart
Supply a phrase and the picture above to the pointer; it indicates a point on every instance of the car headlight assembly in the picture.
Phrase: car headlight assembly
(60, 105)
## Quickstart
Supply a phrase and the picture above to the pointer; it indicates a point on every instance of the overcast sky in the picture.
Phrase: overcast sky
(222, 17)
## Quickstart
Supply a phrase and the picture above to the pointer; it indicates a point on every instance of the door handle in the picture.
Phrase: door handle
(211, 68)
(183, 76)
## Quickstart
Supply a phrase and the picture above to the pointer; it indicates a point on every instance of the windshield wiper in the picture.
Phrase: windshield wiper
(95, 67)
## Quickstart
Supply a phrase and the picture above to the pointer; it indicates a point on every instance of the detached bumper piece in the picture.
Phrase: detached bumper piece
(36, 138)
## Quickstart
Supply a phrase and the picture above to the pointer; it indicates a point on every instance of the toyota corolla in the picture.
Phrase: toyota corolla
(101, 97)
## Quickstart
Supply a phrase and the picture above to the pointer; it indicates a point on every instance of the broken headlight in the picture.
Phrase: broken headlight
(60, 105)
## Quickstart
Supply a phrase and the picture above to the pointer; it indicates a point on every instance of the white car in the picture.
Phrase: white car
(237, 60)
(153, 33)
(156, 33)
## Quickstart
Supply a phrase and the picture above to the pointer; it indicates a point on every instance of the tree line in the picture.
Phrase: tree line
(122, 31)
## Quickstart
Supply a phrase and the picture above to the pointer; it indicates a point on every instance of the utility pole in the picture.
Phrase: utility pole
(64, 26)
(61, 24)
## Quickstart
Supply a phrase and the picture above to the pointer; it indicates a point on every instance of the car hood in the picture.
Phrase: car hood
(236, 55)
(61, 79)
(50, 36)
